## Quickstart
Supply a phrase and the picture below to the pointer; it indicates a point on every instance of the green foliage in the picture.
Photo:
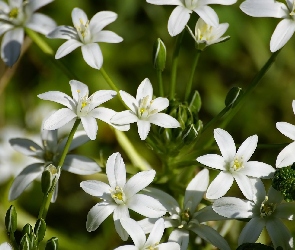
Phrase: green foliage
(284, 181)
(254, 246)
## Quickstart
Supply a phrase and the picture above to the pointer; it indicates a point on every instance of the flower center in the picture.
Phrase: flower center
(267, 208)
(190, 4)
(144, 110)
(152, 247)
(83, 106)
(236, 165)
(83, 31)
(118, 195)
(13, 13)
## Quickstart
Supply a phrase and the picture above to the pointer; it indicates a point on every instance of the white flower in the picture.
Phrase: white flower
(49, 153)
(234, 165)
(286, 157)
(5, 246)
(263, 211)
(208, 34)
(80, 106)
(272, 8)
(181, 14)
(187, 219)
(86, 34)
(144, 110)
(119, 196)
(16, 15)
(139, 239)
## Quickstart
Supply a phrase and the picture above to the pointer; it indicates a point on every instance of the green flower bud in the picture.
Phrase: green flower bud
(40, 229)
(49, 178)
(11, 219)
(25, 243)
(52, 244)
(232, 96)
(196, 102)
(27, 229)
(159, 55)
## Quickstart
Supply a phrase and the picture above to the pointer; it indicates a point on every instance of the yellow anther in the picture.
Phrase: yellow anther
(78, 90)
(33, 148)
(13, 13)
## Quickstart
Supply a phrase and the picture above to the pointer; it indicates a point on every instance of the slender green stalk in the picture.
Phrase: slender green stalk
(190, 82)
(160, 82)
(174, 64)
(46, 49)
(47, 197)
(108, 80)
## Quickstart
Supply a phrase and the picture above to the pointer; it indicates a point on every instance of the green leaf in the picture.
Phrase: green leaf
(52, 244)
(11, 219)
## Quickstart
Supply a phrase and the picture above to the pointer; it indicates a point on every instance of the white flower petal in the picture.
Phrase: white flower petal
(156, 233)
(293, 106)
(64, 32)
(115, 170)
(92, 55)
(165, 2)
(247, 148)
(168, 246)
(26, 146)
(285, 211)
(143, 128)
(264, 8)
(225, 143)
(286, 129)
(49, 138)
(147, 224)
(41, 23)
(274, 196)
(219, 186)
(106, 36)
(59, 118)
(78, 16)
(11, 45)
(181, 237)
(283, 32)
(129, 100)
(144, 89)
(82, 165)
(159, 104)
(127, 247)
(100, 20)
(258, 190)
(24, 178)
(95, 188)
(164, 120)
(124, 117)
(146, 206)
(135, 231)
(119, 213)
(257, 169)
(244, 184)
(102, 96)
(79, 90)
(196, 189)
(212, 161)
(209, 234)
(208, 15)
(59, 97)
(222, 2)
(286, 157)
(90, 125)
(138, 182)
(234, 208)
(98, 214)
(37, 4)
(178, 19)
(251, 231)
(4, 27)
(67, 48)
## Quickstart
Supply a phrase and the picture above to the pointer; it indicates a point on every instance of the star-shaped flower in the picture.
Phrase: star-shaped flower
(80, 106)
(144, 110)
(286, 157)
(271, 8)
(185, 219)
(86, 34)
(264, 211)
(234, 165)
(49, 153)
(120, 195)
(181, 14)
(138, 236)
(16, 15)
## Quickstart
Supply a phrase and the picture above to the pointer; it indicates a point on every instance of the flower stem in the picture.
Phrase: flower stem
(174, 64)
(108, 80)
(190, 82)
(47, 197)
(160, 82)
(46, 49)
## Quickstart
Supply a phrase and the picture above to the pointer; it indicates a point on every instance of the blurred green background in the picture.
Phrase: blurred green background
(222, 66)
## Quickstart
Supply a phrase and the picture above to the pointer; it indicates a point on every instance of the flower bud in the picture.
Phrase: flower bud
(11, 219)
(49, 178)
(25, 243)
(40, 229)
(52, 244)
(27, 229)
(232, 96)
(159, 55)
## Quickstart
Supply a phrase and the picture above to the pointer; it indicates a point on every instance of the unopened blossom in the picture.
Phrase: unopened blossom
(287, 157)
(266, 210)
(271, 8)
(14, 17)
(144, 110)
(120, 195)
(207, 34)
(181, 14)
(49, 153)
(80, 107)
(185, 218)
(234, 165)
(86, 34)
(139, 239)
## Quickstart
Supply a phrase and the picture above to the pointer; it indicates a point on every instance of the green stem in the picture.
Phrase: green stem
(190, 82)
(108, 80)
(47, 197)
(174, 64)
(160, 82)
(46, 49)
